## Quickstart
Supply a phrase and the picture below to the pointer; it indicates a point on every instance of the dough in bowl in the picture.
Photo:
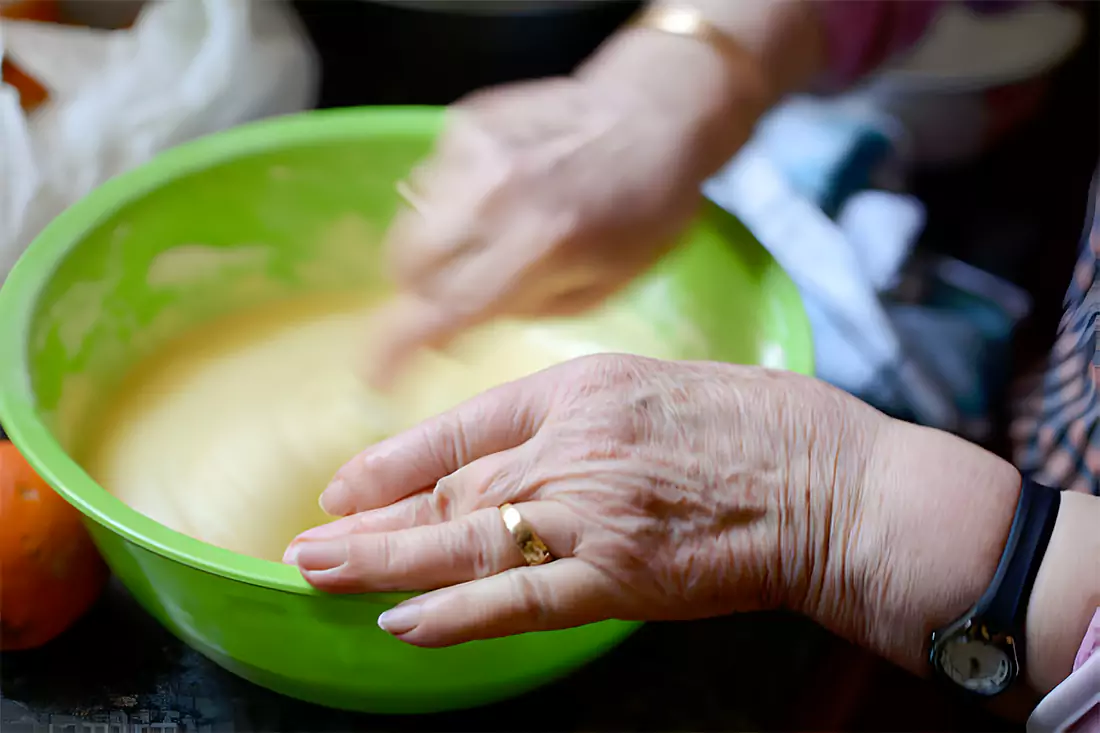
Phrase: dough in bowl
(231, 432)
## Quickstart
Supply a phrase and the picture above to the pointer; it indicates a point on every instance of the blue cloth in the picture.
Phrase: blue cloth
(825, 152)
(922, 338)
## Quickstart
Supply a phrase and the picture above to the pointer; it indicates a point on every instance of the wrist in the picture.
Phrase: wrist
(838, 433)
(933, 515)
(1066, 593)
(704, 103)
(715, 91)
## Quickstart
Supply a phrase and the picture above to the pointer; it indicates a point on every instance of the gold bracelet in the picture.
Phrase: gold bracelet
(684, 20)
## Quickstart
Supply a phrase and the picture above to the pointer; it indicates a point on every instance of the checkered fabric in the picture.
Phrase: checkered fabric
(1057, 429)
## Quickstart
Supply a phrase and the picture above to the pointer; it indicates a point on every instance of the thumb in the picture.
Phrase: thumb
(559, 595)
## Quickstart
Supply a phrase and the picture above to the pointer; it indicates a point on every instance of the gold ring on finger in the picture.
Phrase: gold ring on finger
(534, 550)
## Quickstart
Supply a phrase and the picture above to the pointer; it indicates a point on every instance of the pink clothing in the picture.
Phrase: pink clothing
(861, 35)
(1060, 443)
(1091, 644)
(1074, 705)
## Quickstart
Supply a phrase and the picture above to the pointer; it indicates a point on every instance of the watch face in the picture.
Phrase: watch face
(980, 666)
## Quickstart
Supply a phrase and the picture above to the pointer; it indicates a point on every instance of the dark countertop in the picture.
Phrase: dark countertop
(119, 670)
(118, 665)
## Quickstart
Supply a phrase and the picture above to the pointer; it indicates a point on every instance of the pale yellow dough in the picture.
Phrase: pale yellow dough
(230, 434)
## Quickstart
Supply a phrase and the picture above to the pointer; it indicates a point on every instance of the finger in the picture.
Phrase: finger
(413, 511)
(433, 556)
(404, 326)
(559, 595)
(509, 117)
(567, 301)
(497, 420)
(423, 239)
(465, 291)
(487, 482)
(446, 196)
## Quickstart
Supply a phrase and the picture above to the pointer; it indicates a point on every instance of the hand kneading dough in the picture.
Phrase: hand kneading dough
(230, 434)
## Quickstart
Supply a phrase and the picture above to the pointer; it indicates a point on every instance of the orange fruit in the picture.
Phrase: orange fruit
(43, 11)
(31, 93)
(50, 572)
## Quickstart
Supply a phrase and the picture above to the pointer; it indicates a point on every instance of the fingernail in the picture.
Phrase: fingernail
(334, 498)
(321, 555)
(400, 619)
(331, 530)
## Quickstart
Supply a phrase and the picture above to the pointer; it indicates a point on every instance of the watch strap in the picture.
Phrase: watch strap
(1003, 607)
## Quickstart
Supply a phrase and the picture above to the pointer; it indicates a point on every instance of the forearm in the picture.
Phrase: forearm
(718, 98)
(931, 519)
(1066, 592)
(784, 37)
(787, 45)
(937, 517)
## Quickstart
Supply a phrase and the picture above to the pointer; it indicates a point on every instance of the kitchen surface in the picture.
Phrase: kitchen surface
(119, 668)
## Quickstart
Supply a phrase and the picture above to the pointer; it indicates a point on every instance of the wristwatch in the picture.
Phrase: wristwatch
(983, 652)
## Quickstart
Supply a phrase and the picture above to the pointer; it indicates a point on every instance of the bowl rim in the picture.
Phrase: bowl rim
(34, 269)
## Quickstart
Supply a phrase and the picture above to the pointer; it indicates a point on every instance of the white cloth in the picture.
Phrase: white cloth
(839, 274)
(185, 69)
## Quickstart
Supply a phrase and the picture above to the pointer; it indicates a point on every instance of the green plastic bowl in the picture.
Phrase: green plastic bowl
(83, 304)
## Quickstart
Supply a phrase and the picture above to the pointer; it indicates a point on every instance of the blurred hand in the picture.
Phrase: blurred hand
(541, 198)
(666, 490)
(544, 198)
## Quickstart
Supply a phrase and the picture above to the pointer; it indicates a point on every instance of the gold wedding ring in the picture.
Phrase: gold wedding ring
(534, 550)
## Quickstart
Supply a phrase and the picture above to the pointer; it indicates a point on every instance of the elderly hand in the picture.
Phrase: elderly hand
(541, 198)
(665, 490)
(545, 197)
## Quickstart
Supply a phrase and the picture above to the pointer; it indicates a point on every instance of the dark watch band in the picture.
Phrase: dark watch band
(982, 653)
(1004, 604)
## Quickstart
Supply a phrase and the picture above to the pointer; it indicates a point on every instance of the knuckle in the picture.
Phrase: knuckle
(482, 553)
(487, 482)
(623, 426)
(430, 510)
(623, 398)
(386, 551)
(360, 523)
(531, 604)
(444, 498)
(597, 373)
(447, 445)
(362, 550)
(498, 482)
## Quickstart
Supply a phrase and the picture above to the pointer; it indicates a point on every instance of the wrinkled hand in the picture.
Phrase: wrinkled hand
(666, 490)
(541, 199)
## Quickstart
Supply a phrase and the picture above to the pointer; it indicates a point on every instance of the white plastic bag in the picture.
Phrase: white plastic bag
(187, 68)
